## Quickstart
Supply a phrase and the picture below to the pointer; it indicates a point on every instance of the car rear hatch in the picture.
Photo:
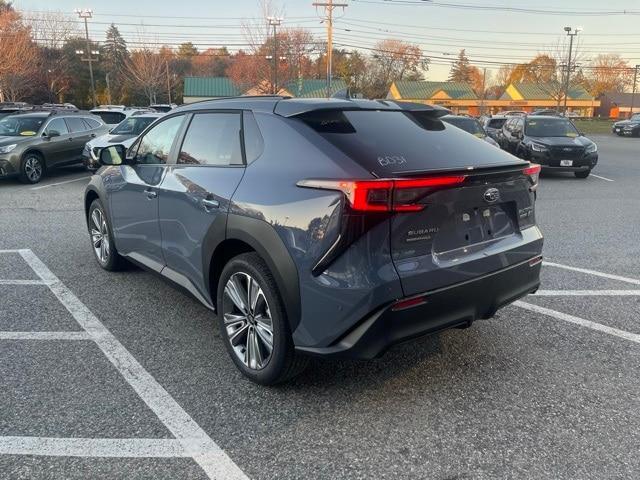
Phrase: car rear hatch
(456, 206)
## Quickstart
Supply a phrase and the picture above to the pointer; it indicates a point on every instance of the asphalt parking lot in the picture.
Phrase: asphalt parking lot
(121, 376)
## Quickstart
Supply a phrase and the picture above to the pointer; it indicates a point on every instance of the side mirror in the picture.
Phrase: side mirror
(53, 133)
(112, 155)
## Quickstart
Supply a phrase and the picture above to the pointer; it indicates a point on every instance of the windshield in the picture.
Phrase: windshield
(635, 117)
(133, 126)
(20, 126)
(470, 125)
(550, 127)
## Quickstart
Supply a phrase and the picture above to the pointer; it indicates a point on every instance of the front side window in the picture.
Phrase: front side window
(20, 126)
(212, 139)
(57, 125)
(155, 146)
(550, 127)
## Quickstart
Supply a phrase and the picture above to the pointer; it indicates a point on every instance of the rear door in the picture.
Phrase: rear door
(195, 195)
(80, 135)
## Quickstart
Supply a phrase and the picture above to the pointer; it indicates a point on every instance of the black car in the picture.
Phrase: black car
(630, 127)
(547, 113)
(470, 125)
(320, 226)
(493, 126)
(553, 142)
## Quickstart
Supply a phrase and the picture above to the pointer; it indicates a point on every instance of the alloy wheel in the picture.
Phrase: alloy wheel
(100, 235)
(33, 169)
(247, 320)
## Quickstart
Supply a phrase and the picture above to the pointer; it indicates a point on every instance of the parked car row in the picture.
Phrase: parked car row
(628, 128)
(34, 139)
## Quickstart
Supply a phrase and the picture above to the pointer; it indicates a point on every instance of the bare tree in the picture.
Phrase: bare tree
(52, 29)
(19, 57)
(146, 70)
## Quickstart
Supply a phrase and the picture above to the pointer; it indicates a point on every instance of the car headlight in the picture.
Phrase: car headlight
(8, 148)
(592, 148)
(536, 147)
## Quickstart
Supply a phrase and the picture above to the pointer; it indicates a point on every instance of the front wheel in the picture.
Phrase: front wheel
(31, 168)
(582, 174)
(253, 322)
(101, 237)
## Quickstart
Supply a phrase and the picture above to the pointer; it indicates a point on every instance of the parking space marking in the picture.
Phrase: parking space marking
(45, 336)
(633, 281)
(22, 282)
(40, 187)
(93, 447)
(586, 293)
(194, 440)
(633, 337)
(602, 178)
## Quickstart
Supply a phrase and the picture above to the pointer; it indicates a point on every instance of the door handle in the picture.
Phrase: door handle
(151, 194)
(93, 135)
(209, 204)
(71, 139)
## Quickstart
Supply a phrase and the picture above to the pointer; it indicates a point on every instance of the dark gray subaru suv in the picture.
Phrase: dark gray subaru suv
(320, 227)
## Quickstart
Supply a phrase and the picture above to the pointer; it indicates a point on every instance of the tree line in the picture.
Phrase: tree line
(41, 60)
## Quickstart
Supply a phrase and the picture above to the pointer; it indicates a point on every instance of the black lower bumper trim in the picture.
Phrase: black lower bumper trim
(453, 306)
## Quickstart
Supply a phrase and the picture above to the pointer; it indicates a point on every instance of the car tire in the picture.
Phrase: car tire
(32, 168)
(101, 238)
(583, 174)
(257, 337)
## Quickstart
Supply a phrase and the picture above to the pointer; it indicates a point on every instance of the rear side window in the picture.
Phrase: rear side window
(384, 142)
(76, 124)
(212, 139)
(92, 122)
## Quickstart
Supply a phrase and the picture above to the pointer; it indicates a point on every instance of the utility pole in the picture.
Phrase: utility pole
(633, 93)
(329, 7)
(86, 14)
(275, 23)
(566, 80)
(484, 89)
(106, 77)
(166, 64)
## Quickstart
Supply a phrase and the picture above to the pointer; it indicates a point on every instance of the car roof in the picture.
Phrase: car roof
(290, 107)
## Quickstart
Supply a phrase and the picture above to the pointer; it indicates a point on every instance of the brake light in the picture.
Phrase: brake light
(533, 171)
(385, 195)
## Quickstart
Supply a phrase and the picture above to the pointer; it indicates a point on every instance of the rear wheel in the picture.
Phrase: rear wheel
(253, 322)
(31, 168)
(582, 174)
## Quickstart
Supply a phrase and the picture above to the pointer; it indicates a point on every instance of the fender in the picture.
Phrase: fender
(263, 238)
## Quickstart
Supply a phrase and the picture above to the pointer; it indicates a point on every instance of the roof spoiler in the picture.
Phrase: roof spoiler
(343, 101)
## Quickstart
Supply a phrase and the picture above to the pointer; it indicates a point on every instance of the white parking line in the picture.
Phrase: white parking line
(40, 187)
(93, 447)
(22, 282)
(45, 336)
(593, 272)
(633, 337)
(602, 178)
(192, 438)
(587, 293)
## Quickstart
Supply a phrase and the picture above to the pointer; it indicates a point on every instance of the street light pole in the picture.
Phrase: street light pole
(568, 75)
(86, 14)
(633, 93)
(275, 23)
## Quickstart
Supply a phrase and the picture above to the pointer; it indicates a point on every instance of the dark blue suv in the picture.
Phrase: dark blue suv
(330, 227)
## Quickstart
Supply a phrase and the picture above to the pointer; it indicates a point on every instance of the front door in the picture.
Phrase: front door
(134, 194)
(195, 195)
(55, 147)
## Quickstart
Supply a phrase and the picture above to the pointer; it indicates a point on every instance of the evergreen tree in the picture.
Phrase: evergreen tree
(114, 58)
(461, 69)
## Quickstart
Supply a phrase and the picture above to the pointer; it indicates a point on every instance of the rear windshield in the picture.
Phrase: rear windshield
(496, 122)
(133, 126)
(470, 125)
(110, 118)
(385, 142)
(550, 127)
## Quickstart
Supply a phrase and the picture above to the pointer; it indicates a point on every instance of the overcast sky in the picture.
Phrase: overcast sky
(490, 37)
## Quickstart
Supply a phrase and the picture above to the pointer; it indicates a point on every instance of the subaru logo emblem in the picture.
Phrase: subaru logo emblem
(492, 195)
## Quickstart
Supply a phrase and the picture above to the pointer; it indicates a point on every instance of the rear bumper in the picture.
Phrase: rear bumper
(454, 306)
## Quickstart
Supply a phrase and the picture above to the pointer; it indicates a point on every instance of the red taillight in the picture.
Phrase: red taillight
(397, 195)
(533, 171)
(408, 303)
